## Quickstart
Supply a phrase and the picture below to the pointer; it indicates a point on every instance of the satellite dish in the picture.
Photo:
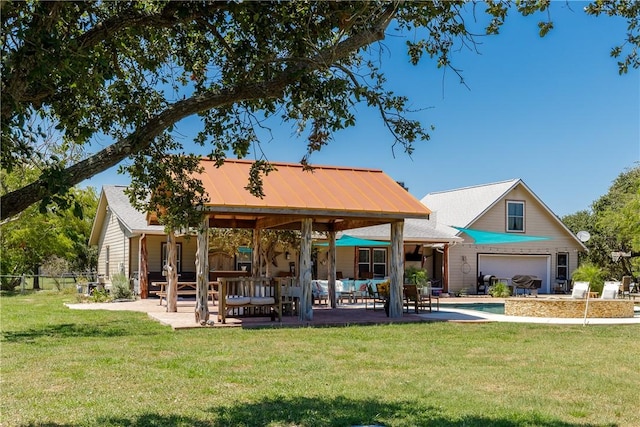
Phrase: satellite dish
(583, 236)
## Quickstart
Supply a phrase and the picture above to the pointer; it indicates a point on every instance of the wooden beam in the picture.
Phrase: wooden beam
(397, 270)
(331, 269)
(143, 270)
(256, 265)
(306, 301)
(348, 224)
(277, 221)
(231, 223)
(202, 273)
(445, 268)
(172, 273)
(313, 213)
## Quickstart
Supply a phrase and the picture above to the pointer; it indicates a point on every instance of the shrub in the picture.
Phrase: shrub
(500, 290)
(120, 287)
(99, 295)
(591, 273)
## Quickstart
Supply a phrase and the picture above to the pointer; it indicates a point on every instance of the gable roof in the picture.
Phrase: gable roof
(464, 206)
(113, 197)
(337, 198)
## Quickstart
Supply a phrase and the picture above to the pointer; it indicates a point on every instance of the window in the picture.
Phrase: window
(364, 261)
(372, 261)
(178, 256)
(515, 216)
(380, 262)
(562, 266)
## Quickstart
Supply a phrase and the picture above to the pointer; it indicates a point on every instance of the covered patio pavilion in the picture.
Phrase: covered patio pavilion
(327, 199)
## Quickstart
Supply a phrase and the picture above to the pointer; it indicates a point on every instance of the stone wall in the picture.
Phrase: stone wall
(568, 308)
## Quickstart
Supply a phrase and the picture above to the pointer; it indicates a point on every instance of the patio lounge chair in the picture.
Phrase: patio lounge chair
(610, 290)
(625, 286)
(580, 290)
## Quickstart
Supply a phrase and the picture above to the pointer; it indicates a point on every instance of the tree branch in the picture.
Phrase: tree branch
(16, 201)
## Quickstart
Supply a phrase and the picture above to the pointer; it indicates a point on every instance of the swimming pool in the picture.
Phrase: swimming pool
(487, 307)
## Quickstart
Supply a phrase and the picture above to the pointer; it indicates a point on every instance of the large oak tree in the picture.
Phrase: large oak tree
(126, 72)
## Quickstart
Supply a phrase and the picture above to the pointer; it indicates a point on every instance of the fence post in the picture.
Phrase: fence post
(22, 283)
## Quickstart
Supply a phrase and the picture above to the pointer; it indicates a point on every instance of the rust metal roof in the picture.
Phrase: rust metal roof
(337, 198)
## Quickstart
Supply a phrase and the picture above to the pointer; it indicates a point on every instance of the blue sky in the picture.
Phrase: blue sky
(552, 111)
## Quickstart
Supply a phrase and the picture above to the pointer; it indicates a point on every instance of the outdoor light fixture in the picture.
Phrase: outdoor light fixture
(287, 255)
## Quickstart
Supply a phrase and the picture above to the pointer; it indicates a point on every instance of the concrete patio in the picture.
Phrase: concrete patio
(343, 315)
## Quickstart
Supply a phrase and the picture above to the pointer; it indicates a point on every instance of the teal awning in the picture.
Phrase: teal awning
(346, 240)
(481, 237)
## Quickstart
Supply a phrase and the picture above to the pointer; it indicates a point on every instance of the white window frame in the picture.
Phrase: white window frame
(509, 216)
(367, 262)
(564, 266)
(382, 264)
(378, 268)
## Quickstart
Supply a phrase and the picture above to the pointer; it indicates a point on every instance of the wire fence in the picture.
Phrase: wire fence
(28, 282)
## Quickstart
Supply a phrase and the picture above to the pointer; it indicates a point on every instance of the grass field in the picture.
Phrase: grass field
(64, 367)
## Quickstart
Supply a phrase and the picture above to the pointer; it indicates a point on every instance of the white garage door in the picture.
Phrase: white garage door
(507, 266)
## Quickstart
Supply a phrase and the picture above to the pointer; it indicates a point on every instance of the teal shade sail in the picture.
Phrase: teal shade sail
(482, 237)
(346, 240)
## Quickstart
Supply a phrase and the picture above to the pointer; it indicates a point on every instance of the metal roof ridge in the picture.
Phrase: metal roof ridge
(298, 165)
(513, 180)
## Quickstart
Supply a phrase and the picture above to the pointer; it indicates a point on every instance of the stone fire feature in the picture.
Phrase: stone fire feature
(568, 308)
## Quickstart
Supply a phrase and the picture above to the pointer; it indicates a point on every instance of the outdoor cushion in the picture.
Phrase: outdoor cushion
(262, 300)
(580, 290)
(238, 300)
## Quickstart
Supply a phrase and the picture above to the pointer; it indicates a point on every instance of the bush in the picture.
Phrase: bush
(120, 287)
(500, 290)
(591, 273)
(99, 295)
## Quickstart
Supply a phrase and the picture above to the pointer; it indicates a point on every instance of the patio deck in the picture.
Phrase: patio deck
(344, 315)
(323, 316)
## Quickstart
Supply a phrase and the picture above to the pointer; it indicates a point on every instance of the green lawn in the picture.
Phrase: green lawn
(64, 367)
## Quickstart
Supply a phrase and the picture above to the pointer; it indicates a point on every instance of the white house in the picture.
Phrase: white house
(517, 234)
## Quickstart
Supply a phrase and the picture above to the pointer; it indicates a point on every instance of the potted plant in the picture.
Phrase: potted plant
(421, 280)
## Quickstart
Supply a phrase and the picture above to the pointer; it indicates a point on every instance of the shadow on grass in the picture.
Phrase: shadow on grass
(305, 411)
(69, 330)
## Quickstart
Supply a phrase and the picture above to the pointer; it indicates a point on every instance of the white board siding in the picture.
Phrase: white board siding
(118, 243)
(538, 222)
(507, 266)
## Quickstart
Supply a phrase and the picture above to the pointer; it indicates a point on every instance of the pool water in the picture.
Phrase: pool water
(488, 307)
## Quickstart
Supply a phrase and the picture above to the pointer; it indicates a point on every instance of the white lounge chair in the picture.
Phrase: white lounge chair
(610, 290)
(580, 290)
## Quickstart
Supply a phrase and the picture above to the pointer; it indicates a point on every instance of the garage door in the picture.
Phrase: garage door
(507, 266)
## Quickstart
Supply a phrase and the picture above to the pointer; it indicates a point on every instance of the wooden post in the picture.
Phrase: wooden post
(445, 268)
(256, 264)
(306, 300)
(397, 270)
(202, 273)
(143, 271)
(172, 273)
(331, 269)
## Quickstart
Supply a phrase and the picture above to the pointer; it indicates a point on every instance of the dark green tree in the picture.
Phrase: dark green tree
(127, 72)
(614, 225)
(34, 237)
